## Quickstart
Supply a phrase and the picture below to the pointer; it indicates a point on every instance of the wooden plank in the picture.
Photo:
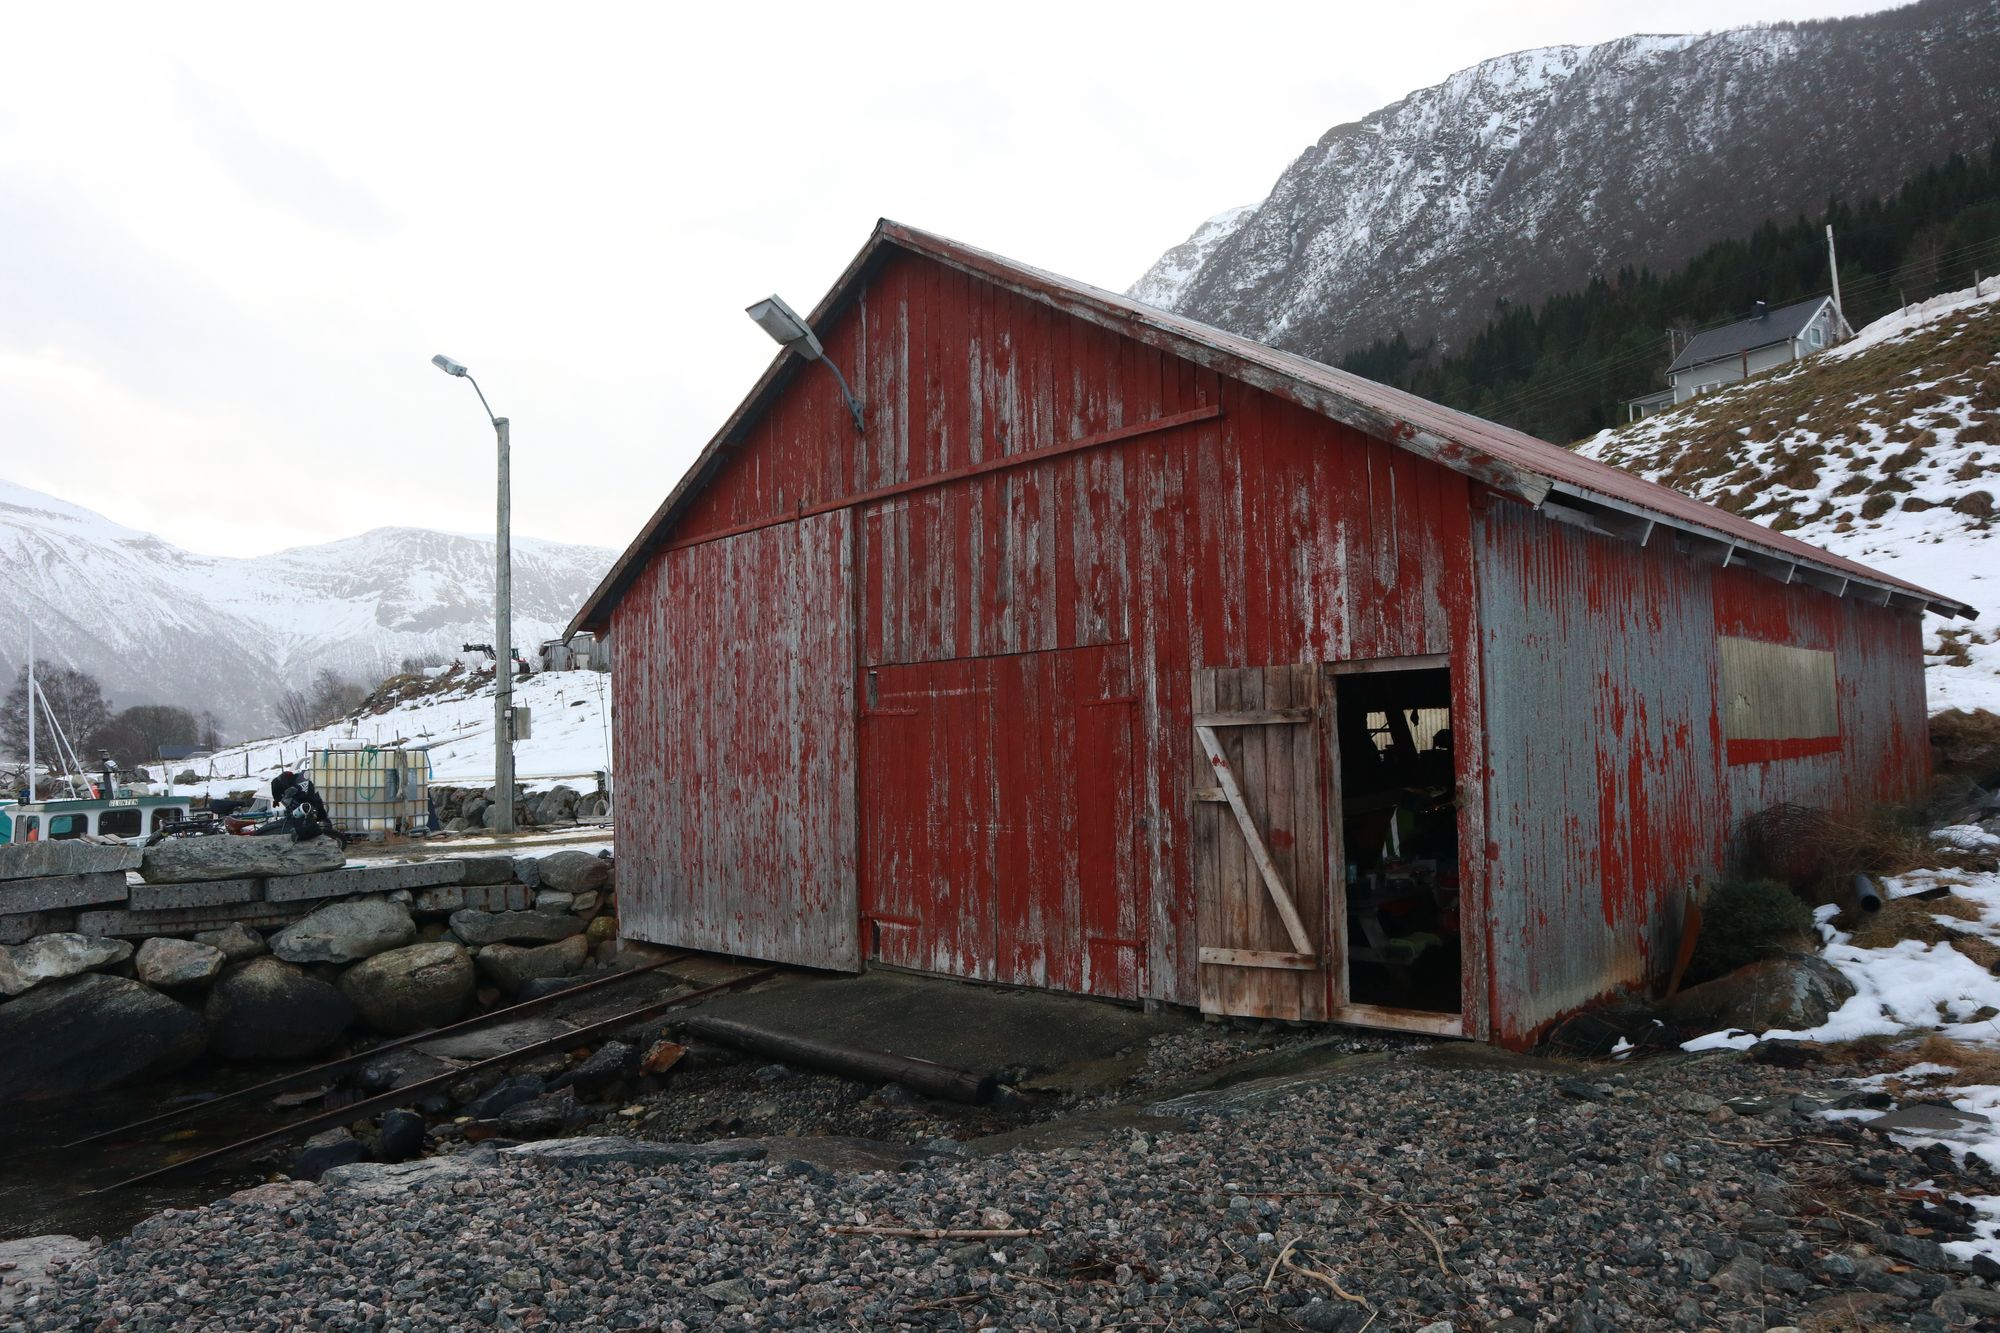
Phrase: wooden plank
(1256, 717)
(1360, 666)
(1220, 957)
(1206, 855)
(1400, 1020)
(1214, 795)
(1261, 856)
(1294, 748)
(991, 465)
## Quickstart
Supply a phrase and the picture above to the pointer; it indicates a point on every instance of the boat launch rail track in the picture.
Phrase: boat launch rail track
(351, 1111)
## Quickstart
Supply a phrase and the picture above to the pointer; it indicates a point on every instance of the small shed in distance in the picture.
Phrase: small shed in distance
(1121, 655)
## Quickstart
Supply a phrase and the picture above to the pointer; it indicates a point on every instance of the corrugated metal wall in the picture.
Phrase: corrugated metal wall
(1607, 777)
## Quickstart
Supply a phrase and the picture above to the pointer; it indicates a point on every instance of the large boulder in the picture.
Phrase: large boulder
(237, 941)
(70, 856)
(52, 957)
(1790, 993)
(412, 988)
(476, 927)
(168, 963)
(487, 869)
(575, 872)
(183, 860)
(346, 932)
(509, 965)
(270, 1010)
(82, 1034)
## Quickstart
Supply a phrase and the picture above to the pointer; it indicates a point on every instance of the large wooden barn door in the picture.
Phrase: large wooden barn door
(1260, 864)
(998, 826)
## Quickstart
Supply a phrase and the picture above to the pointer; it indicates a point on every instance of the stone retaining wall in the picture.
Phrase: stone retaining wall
(107, 975)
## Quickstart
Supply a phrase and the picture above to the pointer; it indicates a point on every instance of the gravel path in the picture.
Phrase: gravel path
(1390, 1195)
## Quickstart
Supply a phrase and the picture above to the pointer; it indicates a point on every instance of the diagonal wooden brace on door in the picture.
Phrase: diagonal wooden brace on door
(1281, 897)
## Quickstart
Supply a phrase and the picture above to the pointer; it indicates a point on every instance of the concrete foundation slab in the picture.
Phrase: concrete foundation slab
(363, 879)
(19, 927)
(123, 924)
(202, 893)
(960, 1024)
(36, 860)
(479, 897)
(48, 892)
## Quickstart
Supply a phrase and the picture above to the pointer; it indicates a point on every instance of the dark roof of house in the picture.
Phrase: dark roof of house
(1541, 474)
(1747, 335)
(181, 751)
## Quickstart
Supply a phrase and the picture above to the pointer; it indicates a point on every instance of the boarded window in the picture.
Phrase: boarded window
(1778, 701)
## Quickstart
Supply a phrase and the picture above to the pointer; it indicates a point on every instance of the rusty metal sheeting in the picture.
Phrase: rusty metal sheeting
(1608, 779)
(735, 714)
(959, 282)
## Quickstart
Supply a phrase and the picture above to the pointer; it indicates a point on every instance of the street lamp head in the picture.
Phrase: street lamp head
(447, 365)
(785, 327)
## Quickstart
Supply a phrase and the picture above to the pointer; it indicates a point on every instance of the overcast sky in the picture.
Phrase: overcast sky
(231, 238)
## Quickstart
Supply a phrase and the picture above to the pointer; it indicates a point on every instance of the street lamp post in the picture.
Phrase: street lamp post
(503, 637)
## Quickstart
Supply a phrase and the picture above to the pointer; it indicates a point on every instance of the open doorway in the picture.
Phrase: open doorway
(1399, 837)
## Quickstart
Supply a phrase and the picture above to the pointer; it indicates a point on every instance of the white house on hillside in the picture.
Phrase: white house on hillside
(1734, 352)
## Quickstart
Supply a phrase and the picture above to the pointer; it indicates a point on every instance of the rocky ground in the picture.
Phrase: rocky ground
(1394, 1189)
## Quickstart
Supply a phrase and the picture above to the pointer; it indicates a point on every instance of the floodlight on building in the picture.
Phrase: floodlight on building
(793, 334)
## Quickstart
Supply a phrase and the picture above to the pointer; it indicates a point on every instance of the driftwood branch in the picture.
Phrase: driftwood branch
(936, 1233)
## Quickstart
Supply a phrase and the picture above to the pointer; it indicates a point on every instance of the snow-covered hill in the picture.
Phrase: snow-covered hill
(1885, 449)
(159, 624)
(571, 739)
(1530, 173)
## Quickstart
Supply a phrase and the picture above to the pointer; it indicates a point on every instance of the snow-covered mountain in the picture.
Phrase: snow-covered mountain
(1885, 449)
(1529, 173)
(159, 624)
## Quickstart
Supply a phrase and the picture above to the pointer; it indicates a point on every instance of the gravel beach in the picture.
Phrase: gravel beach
(1393, 1192)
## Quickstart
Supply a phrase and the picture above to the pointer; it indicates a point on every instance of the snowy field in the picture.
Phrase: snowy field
(571, 741)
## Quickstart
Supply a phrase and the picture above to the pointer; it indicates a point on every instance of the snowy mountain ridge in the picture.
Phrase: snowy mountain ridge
(1531, 172)
(159, 624)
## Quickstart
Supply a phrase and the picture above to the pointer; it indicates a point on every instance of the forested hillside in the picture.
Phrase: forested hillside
(1563, 369)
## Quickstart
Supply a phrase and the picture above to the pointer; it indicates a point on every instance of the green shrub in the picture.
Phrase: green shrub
(1744, 920)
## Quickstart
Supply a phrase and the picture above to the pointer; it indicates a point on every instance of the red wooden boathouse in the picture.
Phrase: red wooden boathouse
(1117, 654)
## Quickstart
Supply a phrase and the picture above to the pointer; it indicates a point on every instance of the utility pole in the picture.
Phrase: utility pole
(31, 710)
(503, 641)
(503, 636)
(1833, 267)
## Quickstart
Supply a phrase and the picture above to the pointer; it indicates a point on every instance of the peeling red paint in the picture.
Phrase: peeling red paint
(945, 722)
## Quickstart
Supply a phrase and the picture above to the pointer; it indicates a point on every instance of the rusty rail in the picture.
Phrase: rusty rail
(384, 1101)
(300, 1077)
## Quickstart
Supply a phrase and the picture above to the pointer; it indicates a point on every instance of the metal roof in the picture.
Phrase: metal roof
(1747, 335)
(1562, 483)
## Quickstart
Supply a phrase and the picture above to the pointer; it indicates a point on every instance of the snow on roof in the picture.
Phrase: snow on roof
(1747, 335)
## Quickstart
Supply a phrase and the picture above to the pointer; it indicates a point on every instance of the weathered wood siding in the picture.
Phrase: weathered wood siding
(1608, 777)
(1252, 533)
(735, 713)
